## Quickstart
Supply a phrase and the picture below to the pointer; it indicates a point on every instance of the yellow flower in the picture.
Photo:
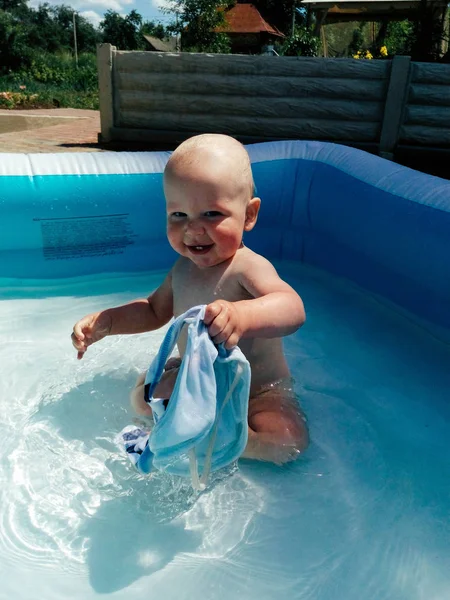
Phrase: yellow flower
(368, 55)
(383, 51)
(356, 55)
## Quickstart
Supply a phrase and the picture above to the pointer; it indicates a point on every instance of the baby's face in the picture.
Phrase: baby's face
(206, 212)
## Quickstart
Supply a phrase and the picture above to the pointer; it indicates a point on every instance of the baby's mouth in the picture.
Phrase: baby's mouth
(200, 249)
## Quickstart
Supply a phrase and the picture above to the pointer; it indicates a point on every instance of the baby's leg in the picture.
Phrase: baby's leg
(277, 427)
(163, 389)
(137, 399)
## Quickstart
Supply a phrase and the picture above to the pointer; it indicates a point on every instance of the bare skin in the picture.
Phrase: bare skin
(247, 303)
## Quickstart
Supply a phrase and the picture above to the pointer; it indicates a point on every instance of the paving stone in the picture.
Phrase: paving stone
(79, 135)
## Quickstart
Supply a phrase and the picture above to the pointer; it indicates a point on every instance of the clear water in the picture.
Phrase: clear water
(364, 514)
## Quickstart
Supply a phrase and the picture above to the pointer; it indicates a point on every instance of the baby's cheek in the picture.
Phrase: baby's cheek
(229, 235)
(173, 235)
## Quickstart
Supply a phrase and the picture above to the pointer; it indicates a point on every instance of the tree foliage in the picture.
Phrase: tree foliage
(123, 32)
(27, 34)
(196, 20)
(422, 38)
(429, 32)
(400, 37)
(277, 12)
(13, 43)
(302, 43)
(126, 33)
(25, 31)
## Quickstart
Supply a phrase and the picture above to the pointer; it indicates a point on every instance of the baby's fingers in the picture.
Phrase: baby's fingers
(228, 336)
(211, 312)
(78, 330)
(232, 341)
(220, 329)
(79, 345)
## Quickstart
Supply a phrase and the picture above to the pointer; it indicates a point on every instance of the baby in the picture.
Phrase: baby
(209, 188)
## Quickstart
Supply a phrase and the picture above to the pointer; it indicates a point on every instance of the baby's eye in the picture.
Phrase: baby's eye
(213, 213)
(178, 214)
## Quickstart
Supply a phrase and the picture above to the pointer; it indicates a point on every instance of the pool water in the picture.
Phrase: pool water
(363, 515)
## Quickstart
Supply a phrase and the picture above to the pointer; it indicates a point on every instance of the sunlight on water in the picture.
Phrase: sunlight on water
(363, 515)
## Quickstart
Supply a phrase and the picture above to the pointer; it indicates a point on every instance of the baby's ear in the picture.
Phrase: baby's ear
(251, 214)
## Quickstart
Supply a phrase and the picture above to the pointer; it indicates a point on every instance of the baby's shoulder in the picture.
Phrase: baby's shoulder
(248, 261)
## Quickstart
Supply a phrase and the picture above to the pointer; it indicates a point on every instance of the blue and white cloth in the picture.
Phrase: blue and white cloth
(204, 426)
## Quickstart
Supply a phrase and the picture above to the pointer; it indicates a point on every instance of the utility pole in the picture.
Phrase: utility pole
(75, 40)
(293, 17)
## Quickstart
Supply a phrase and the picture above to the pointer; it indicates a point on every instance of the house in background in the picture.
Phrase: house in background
(169, 44)
(249, 33)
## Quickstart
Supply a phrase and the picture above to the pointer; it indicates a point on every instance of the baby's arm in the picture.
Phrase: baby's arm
(141, 315)
(276, 309)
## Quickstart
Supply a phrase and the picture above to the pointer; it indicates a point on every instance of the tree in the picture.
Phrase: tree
(18, 8)
(14, 51)
(87, 35)
(400, 37)
(302, 43)
(358, 41)
(155, 29)
(123, 32)
(196, 21)
(278, 13)
(43, 31)
(429, 32)
(127, 32)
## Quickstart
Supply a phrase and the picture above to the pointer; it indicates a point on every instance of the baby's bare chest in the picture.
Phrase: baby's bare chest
(192, 287)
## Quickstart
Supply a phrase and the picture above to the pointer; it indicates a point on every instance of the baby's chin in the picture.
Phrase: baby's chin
(206, 261)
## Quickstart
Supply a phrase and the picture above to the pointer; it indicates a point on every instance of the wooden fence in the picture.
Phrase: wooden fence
(164, 98)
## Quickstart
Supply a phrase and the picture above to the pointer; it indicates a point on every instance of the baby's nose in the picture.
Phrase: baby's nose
(195, 226)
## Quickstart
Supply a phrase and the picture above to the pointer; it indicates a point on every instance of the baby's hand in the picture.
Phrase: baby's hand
(88, 330)
(224, 323)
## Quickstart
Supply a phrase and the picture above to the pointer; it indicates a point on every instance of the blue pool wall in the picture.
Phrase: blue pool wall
(384, 226)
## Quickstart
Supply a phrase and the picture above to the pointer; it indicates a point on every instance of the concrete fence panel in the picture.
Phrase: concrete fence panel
(427, 112)
(165, 98)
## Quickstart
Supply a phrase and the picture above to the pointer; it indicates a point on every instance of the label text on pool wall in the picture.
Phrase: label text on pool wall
(78, 237)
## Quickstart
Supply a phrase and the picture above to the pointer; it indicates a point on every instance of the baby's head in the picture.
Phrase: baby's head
(209, 191)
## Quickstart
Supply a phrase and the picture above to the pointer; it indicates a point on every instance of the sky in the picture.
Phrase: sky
(93, 10)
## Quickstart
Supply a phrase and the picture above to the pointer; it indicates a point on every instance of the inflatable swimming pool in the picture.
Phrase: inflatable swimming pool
(381, 225)
(363, 515)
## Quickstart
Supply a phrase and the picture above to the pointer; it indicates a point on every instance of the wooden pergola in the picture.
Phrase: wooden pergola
(339, 11)
(365, 10)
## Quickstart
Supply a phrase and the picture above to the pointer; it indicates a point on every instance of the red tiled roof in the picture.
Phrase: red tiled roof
(245, 18)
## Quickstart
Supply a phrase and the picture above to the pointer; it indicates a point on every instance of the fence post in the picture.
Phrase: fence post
(105, 65)
(395, 103)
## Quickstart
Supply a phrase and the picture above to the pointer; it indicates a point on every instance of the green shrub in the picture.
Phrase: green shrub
(61, 70)
(52, 80)
(302, 43)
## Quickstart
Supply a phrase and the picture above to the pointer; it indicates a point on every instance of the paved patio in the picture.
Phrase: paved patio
(79, 134)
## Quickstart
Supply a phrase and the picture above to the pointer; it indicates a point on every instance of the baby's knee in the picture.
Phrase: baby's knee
(296, 430)
(140, 380)
(288, 428)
